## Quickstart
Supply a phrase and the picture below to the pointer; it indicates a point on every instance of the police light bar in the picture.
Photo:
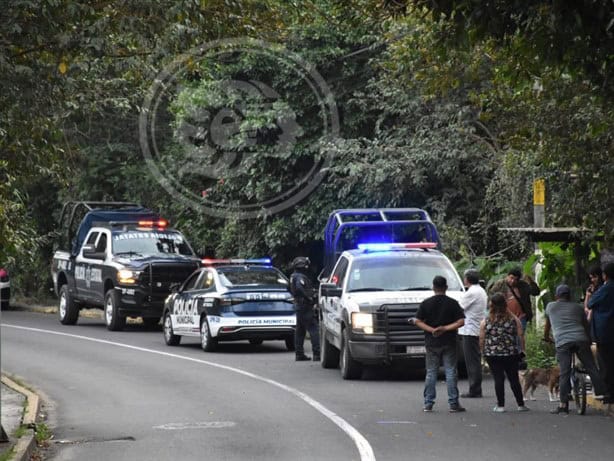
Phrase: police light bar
(160, 223)
(396, 246)
(212, 261)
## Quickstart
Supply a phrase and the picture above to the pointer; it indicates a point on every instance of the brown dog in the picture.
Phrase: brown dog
(535, 377)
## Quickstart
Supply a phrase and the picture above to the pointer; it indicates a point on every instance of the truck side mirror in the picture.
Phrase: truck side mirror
(89, 251)
(330, 289)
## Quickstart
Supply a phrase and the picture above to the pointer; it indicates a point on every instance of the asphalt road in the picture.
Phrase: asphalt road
(128, 396)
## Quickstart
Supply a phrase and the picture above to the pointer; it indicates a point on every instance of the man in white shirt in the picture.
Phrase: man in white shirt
(474, 302)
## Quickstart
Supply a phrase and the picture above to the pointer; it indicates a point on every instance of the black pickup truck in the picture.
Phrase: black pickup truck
(119, 257)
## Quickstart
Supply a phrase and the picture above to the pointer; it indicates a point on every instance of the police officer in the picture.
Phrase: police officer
(305, 296)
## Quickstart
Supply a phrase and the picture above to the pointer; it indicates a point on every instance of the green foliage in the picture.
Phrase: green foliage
(540, 354)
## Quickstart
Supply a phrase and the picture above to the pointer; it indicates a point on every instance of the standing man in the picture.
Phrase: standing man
(570, 329)
(474, 302)
(440, 317)
(305, 297)
(601, 305)
(517, 293)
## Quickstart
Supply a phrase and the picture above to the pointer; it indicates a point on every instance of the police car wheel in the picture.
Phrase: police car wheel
(68, 310)
(170, 338)
(112, 318)
(256, 342)
(290, 343)
(350, 368)
(207, 342)
(329, 354)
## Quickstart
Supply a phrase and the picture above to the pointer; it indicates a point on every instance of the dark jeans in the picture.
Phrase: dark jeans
(605, 353)
(471, 349)
(501, 366)
(435, 355)
(306, 321)
(564, 353)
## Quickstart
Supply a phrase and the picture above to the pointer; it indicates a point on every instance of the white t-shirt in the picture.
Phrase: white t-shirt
(474, 302)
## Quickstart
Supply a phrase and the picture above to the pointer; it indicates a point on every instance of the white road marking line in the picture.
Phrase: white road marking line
(200, 425)
(363, 446)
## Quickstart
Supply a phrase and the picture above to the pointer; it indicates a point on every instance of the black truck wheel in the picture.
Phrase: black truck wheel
(112, 318)
(329, 354)
(170, 338)
(350, 368)
(68, 311)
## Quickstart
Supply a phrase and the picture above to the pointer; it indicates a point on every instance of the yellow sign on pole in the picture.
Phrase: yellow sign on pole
(539, 192)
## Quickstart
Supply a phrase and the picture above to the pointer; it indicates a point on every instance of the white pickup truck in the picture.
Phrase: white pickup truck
(368, 300)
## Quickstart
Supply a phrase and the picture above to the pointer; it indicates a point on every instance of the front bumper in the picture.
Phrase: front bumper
(234, 328)
(138, 302)
(374, 351)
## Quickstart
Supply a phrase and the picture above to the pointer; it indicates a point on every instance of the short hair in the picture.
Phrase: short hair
(608, 270)
(595, 269)
(472, 276)
(516, 272)
(498, 301)
(440, 283)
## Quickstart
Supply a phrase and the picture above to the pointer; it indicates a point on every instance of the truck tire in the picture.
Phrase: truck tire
(207, 342)
(112, 318)
(329, 353)
(68, 311)
(170, 338)
(350, 368)
(290, 345)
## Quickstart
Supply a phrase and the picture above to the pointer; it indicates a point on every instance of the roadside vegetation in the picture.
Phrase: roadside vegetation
(450, 106)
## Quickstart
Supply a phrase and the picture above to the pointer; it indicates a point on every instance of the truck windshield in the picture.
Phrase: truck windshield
(141, 243)
(252, 276)
(400, 274)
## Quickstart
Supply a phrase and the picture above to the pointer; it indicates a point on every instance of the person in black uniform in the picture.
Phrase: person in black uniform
(305, 298)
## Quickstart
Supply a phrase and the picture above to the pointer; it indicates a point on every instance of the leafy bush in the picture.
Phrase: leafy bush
(539, 353)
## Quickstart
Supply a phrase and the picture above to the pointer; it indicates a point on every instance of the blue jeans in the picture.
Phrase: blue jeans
(434, 356)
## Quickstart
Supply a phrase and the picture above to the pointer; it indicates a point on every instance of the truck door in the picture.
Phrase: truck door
(97, 267)
(83, 269)
(332, 314)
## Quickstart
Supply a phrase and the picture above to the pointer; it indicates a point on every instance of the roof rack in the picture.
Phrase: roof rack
(376, 225)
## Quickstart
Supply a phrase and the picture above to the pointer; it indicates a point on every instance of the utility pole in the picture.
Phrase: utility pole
(539, 221)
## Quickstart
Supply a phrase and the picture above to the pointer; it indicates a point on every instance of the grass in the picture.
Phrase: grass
(7, 455)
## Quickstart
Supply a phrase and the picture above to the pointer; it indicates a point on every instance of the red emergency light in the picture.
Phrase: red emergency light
(160, 223)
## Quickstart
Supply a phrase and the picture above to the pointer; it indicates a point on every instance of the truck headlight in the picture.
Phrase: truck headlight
(127, 276)
(362, 322)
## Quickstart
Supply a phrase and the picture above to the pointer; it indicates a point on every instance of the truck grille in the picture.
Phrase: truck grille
(392, 321)
(159, 277)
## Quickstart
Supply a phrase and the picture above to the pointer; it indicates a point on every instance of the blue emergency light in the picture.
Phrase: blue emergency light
(396, 246)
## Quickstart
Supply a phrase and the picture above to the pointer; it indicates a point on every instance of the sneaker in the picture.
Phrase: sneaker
(428, 407)
(468, 395)
(456, 408)
(302, 358)
(499, 409)
(523, 408)
(560, 410)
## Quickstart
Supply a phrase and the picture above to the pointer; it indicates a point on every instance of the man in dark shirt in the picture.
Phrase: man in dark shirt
(440, 317)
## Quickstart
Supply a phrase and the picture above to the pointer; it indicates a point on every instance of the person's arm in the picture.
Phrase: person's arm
(423, 326)
(449, 327)
(597, 297)
(534, 288)
(547, 329)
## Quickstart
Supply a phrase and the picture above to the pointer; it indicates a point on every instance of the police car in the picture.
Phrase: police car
(369, 300)
(231, 300)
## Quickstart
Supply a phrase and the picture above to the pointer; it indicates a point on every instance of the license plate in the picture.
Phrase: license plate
(416, 350)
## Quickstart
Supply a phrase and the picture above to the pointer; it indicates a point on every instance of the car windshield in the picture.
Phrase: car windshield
(251, 276)
(141, 243)
(400, 274)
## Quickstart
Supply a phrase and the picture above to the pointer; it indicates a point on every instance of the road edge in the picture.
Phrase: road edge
(25, 445)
